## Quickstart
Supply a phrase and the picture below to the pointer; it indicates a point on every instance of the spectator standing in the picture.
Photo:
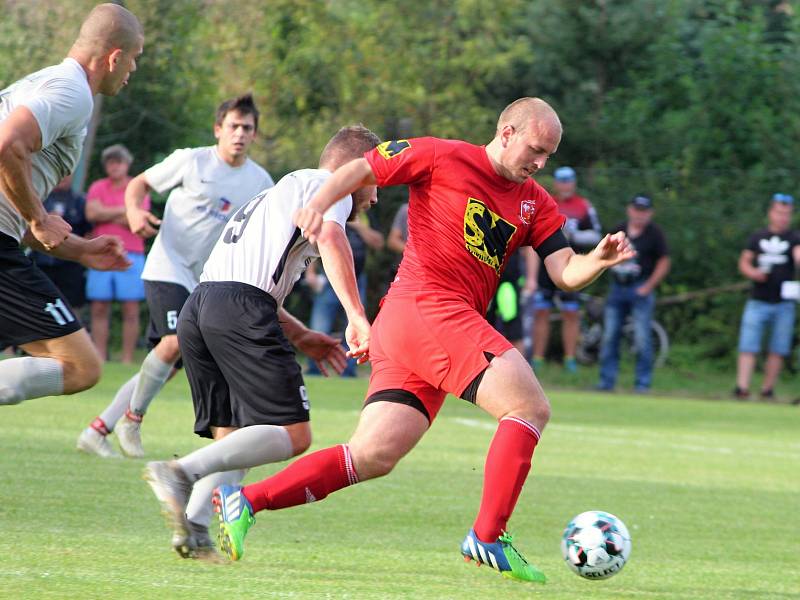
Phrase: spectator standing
(583, 232)
(327, 308)
(633, 293)
(69, 276)
(398, 234)
(105, 207)
(769, 261)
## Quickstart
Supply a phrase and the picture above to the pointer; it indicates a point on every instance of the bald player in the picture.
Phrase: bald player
(43, 120)
(470, 208)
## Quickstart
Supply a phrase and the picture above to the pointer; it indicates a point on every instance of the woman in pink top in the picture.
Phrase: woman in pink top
(105, 207)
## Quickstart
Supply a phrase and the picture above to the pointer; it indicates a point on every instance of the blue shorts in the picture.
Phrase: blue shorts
(124, 286)
(779, 316)
(543, 299)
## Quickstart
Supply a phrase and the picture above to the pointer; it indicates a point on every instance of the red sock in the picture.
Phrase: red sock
(507, 466)
(99, 426)
(307, 479)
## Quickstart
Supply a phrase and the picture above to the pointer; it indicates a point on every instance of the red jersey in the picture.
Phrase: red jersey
(464, 220)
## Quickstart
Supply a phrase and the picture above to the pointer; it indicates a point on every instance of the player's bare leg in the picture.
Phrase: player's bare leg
(156, 370)
(386, 432)
(80, 362)
(509, 392)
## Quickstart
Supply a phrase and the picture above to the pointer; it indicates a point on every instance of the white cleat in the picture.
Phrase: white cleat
(93, 442)
(129, 434)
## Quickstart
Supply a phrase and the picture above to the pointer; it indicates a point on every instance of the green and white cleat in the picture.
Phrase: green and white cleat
(502, 556)
(235, 519)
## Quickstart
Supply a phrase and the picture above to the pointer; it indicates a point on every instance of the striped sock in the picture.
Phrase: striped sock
(507, 466)
(307, 479)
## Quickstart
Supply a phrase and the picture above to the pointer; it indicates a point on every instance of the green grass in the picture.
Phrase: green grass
(709, 491)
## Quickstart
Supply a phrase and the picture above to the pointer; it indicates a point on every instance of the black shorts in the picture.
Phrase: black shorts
(164, 301)
(241, 368)
(70, 278)
(32, 307)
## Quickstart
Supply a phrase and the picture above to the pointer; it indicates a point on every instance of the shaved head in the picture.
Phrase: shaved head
(524, 112)
(109, 26)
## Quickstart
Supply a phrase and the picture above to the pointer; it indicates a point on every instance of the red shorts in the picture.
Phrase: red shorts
(429, 346)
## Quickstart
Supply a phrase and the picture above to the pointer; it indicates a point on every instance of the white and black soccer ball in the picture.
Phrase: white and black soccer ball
(596, 544)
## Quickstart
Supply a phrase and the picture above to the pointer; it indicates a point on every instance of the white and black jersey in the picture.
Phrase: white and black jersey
(61, 101)
(206, 191)
(262, 247)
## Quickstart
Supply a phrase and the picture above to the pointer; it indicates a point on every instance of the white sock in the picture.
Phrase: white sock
(243, 449)
(28, 377)
(119, 404)
(199, 510)
(152, 377)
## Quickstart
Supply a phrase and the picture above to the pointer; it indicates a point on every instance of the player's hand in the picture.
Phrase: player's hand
(322, 349)
(613, 250)
(104, 253)
(51, 231)
(357, 337)
(310, 221)
(142, 222)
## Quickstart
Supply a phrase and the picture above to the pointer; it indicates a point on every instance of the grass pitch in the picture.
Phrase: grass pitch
(709, 491)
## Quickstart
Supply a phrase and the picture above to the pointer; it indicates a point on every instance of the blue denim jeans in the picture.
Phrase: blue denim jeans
(325, 311)
(623, 301)
(758, 316)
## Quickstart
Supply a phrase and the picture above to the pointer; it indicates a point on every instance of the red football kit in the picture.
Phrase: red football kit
(464, 222)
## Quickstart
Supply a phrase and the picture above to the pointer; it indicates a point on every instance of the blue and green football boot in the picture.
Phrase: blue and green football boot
(235, 519)
(502, 556)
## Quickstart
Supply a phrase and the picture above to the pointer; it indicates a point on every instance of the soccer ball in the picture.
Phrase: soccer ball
(596, 544)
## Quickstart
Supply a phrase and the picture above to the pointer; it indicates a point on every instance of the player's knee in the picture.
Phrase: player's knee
(372, 462)
(80, 375)
(535, 409)
(301, 440)
(168, 349)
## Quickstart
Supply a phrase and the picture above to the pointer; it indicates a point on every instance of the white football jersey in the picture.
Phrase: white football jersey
(61, 102)
(206, 191)
(261, 246)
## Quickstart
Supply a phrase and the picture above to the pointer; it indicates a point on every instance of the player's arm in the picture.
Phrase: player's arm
(20, 137)
(747, 269)
(337, 257)
(572, 272)
(317, 346)
(344, 181)
(103, 253)
(141, 221)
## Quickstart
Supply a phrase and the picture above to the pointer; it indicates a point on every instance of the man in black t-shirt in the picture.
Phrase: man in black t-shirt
(769, 260)
(633, 292)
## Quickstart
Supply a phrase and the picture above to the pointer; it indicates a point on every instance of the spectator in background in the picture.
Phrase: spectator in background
(398, 234)
(505, 309)
(769, 260)
(326, 308)
(633, 293)
(583, 232)
(105, 207)
(69, 276)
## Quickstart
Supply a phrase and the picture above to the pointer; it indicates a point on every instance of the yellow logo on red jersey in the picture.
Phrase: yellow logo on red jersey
(486, 234)
(391, 149)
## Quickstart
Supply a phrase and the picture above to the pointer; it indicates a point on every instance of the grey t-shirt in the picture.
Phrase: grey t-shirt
(206, 192)
(61, 102)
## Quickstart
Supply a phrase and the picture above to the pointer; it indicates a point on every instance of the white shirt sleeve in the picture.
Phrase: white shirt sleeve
(169, 172)
(340, 211)
(61, 107)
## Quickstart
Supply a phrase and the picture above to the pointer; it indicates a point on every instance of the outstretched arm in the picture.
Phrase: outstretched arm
(317, 346)
(344, 181)
(103, 253)
(337, 257)
(572, 272)
(141, 221)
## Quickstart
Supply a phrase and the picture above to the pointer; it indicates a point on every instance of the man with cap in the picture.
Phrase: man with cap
(769, 260)
(633, 293)
(583, 232)
(105, 208)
